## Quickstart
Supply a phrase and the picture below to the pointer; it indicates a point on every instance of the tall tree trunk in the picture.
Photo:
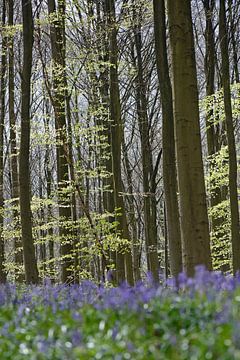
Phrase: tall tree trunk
(13, 142)
(132, 217)
(75, 234)
(124, 257)
(193, 207)
(48, 175)
(235, 235)
(42, 232)
(233, 38)
(30, 263)
(217, 223)
(150, 223)
(2, 120)
(209, 72)
(168, 141)
(57, 35)
(108, 185)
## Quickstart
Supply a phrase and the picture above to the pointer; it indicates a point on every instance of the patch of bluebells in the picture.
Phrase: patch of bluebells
(184, 318)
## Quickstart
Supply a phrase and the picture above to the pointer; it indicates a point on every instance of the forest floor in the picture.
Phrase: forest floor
(198, 319)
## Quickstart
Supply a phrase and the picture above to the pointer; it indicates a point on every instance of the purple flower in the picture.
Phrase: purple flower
(76, 338)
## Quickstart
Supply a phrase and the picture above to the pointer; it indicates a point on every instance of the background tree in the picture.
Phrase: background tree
(2, 125)
(124, 259)
(58, 45)
(31, 271)
(233, 192)
(13, 139)
(168, 141)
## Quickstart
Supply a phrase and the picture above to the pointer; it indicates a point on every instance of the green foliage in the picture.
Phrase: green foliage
(214, 105)
(217, 180)
(80, 232)
(219, 209)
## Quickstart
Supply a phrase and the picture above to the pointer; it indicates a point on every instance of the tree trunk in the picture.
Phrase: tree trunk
(57, 35)
(216, 223)
(168, 142)
(193, 207)
(2, 121)
(132, 217)
(235, 235)
(233, 38)
(30, 263)
(150, 223)
(75, 234)
(108, 185)
(124, 257)
(48, 175)
(13, 144)
(209, 72)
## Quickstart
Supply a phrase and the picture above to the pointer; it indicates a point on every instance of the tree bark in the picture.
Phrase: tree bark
(233, 38)
(168, 141)
(209, 72)
(132, 217)
(216, 224)
(108, 185)
(193, 207)
(124, 257)
(57, 36)
(13, 144)
(150, 223)
(30, 263)
(2, 123)
(233, 191)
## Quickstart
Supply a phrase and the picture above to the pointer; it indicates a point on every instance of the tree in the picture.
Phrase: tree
(149, 199)
(31, 271)
(233, 192)
(168, 141)
(57, 36)
(2, 123)
(234, 8)
(193, 207)
(209, 71)
(217, 223)
(13, 139)
(124, 258)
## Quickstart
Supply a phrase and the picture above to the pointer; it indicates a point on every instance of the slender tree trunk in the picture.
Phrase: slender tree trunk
(48, 175)
(150, 223)
(209, 72)
(168, 142)
(108, 185)
(49, 211)
(57, 35)
(193, 207)
(233, 39)
(217, 223)
(132, 217)
(30, 263)
(2, 121)
(235, 235)
(13, 143)
(75, 234)
(166, 255)
(124, 257)
(42, 232)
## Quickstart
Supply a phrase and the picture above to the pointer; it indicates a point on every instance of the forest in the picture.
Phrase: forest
(119, 139)
(119, 181)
